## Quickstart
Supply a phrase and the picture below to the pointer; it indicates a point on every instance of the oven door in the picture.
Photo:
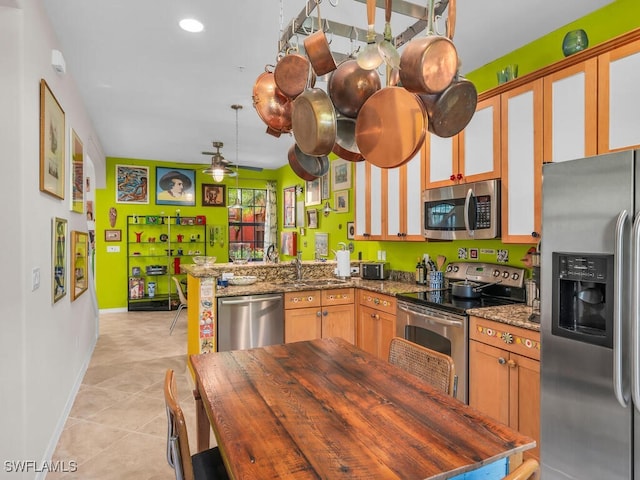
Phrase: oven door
(438, 330)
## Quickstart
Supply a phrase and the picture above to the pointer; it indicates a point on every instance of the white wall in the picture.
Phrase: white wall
(44, 347)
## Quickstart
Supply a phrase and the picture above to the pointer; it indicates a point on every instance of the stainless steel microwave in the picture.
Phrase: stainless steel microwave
(462, 212)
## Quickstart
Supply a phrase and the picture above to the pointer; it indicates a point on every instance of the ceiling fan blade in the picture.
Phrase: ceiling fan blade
(246, 167)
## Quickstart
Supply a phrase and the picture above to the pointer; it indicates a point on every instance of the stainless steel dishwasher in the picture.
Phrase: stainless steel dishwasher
(250, 321)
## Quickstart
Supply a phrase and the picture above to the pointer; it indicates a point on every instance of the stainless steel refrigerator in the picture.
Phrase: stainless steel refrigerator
(589, 318)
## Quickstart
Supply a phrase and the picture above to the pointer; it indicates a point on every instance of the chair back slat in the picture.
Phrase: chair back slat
(178, 452)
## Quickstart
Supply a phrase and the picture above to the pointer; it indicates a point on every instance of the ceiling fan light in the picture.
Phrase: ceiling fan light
(218, 175)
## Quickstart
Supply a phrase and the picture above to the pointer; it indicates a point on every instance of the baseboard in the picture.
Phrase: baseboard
(113, 310)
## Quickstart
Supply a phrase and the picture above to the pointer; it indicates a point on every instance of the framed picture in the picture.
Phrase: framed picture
(132, 184)
(300, 213)
(214, 195)
(312, 218)
(313, 192)
(289, 206)
(325, 186)
(79, 263)
(112, 235)
(340, 174)
(351, 230)
(58, 258)
(341, 201)
(52, 143)
(322, 244)
(175, 186)
(77, 173)
(289, 243)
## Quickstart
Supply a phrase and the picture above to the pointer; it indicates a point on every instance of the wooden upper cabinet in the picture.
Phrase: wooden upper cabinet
(470, 156)
(619, 98)
(521, 153)
(401, 204)
(368, 209)
(570, 112)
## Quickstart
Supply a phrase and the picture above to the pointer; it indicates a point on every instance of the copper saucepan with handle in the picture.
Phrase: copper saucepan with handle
(318, 50)
(428, 64)
(273, 107)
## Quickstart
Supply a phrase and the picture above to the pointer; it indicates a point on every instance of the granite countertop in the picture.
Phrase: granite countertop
(517, 315)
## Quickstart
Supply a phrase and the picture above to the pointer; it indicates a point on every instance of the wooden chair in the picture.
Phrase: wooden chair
(207, 464)
(433, 367)
(528, 470)
(183, 303)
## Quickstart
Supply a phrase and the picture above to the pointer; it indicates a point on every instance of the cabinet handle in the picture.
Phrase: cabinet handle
(325, 313)
(459, 176)
(501, 361)
(318, 313)
(375, 316)
(512, 364)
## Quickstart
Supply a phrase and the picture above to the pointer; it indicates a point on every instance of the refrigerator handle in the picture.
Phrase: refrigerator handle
(467, 202)
(618, 380)
(635, 315)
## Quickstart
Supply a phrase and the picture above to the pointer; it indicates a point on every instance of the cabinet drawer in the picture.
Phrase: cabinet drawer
(338, 296)
(381, 302)
(308, 298)
(507, 337)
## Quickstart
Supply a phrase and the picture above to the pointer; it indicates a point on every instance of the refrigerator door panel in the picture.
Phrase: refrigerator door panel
(585, 432)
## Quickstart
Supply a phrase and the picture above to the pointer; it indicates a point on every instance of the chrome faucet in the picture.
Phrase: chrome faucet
(298, 263)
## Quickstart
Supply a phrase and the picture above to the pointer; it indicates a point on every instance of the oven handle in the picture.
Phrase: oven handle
(443, 321)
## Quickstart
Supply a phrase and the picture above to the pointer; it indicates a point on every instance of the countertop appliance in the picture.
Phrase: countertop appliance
(462, 212)
(590, 307)
(375, 270)
(438, 319)
(250, 321)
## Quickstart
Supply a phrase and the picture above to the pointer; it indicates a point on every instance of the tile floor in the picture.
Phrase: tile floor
(117, 425)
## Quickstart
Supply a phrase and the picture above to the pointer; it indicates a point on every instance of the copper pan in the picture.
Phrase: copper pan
(428, 64)
(391, 127)
(307, 167)
(345, 146)
(272, 106)
(314, 122)
(290, 74)
(317, 48)
(350, 85)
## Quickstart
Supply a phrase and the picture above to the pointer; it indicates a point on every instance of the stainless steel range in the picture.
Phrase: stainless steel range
(438, 319)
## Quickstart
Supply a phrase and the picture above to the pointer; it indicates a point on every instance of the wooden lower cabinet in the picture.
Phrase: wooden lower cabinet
(319, 314)
(504, 375)
(376, 322)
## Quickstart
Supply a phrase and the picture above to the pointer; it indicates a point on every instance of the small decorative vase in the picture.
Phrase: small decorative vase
(138, 236)
(574, 41)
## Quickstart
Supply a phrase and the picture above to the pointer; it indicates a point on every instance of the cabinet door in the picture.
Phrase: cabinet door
(375, 330)
(403, 200)
(489, 380)
(618, 98)
(479, 143)
(302, 324)
(522, 163)
(339, 321)
(368, 216)
(442, 161)
(524, 401)
(570, 112)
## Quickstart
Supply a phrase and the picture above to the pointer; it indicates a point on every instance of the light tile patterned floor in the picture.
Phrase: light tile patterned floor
(117, 426)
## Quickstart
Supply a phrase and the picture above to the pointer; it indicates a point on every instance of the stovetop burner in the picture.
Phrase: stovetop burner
(445, 300)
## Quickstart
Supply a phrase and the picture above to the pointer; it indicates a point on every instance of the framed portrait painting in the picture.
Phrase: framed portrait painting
(214, 195)
(77, 173)
(58, 258)
(52, 143)
(132, 184)
(175, 186)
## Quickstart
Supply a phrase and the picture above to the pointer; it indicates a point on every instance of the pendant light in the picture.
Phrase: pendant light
(219, 166)
(237, 203)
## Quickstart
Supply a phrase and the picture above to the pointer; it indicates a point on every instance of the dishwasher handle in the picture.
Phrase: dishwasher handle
(224, 301)
(443, 321)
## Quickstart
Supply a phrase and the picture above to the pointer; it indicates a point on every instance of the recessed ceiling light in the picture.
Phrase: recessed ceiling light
(191, 25)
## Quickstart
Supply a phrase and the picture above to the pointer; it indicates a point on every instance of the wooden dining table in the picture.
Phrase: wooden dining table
(327, 409)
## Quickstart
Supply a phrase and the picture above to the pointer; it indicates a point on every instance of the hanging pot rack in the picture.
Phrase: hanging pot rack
(303, 22)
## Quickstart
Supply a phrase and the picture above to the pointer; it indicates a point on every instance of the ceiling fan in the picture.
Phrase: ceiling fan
(221, 167)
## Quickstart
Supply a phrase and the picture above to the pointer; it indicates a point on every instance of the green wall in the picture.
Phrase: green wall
(610, 21)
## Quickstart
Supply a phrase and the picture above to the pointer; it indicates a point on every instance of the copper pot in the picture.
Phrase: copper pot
(319, 53)
(274, 108)
(314, 122)
(291, 74)
(346, 146)
(451, 111)
(350, 85)
(428, 64)
(307, 167)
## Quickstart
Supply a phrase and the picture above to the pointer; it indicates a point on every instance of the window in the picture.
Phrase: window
(246, 223)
